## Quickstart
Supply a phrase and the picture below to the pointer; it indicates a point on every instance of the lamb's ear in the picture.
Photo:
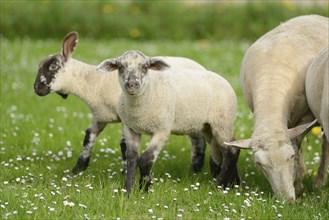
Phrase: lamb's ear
(108, 65)
(245, 144)
(301, 129)
(69, 43)
(157, 64)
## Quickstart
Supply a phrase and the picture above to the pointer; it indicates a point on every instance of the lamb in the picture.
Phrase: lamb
(273, 77)
(317, 94)
(56, 74)
(157, 102)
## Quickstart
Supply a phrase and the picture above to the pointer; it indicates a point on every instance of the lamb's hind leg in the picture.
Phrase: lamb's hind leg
(324, 163)
(148, 158)
(198, 152)
(91, 134)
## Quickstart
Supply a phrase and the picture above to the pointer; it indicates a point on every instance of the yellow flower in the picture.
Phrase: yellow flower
(316, 131)
(135, 33)
(135, 10)
(289, 4)
(107, 9)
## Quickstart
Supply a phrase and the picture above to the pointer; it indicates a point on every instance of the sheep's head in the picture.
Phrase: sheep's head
(133, 67)
(52, 65)
(277, 158)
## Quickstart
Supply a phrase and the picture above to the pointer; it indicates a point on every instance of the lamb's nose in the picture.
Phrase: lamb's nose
(132, 85)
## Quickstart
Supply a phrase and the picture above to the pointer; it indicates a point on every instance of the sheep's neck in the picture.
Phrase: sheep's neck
(271, 107)
(97, 90)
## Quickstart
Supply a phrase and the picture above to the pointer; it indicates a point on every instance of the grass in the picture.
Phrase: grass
(140, 20)
(41, 138)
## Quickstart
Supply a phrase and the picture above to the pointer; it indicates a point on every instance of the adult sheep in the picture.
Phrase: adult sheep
(158, 102)
(317, 94)
(273, 79)
(65, 75)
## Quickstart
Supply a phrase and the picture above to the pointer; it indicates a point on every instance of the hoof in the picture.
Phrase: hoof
(145, 183)
(228, 179)
(81, 165)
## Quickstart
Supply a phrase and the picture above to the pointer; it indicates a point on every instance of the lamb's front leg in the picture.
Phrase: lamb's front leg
(123, 147)
(148, 158)
(91, 134)
(133, 143)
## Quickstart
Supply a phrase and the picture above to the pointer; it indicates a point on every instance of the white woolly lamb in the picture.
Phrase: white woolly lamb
(317, 94)
(157, 102)
(62, 74)
(273, 79)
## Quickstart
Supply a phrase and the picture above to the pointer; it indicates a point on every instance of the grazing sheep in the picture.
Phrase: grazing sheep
(273, 77)
(317, 94)
(62, 74)
(157, 102)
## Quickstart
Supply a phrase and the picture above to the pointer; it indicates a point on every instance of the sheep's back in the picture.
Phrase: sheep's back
(274, 67)
(201, 97)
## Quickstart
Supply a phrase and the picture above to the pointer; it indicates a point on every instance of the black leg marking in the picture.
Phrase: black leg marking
(123, 147)
(145, 163)
(229, 172)
(87, 137)
(198, 157)
(214, 168)
(83, 162)
(132, 158)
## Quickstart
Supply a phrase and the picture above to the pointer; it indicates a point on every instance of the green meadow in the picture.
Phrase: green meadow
(41, 138)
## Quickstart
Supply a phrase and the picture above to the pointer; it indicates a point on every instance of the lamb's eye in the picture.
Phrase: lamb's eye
(258, 164)
(53, 66)
(120, 68)
(292, 157)
(144, 68)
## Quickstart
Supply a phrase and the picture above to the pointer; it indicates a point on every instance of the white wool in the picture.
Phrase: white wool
(99, 91)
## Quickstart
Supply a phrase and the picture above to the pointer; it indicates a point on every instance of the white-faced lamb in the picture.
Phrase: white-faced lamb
(158, 101)
(273, 77)
(65, 75)
(317, 94)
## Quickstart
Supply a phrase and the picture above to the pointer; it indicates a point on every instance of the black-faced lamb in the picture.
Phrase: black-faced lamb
(273, 79)
(158, 101)
(65, 75)
(317, 94)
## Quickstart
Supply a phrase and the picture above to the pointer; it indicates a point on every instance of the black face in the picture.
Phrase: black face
(46, 73)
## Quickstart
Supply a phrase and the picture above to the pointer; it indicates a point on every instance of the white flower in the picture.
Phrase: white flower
(82, 206)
